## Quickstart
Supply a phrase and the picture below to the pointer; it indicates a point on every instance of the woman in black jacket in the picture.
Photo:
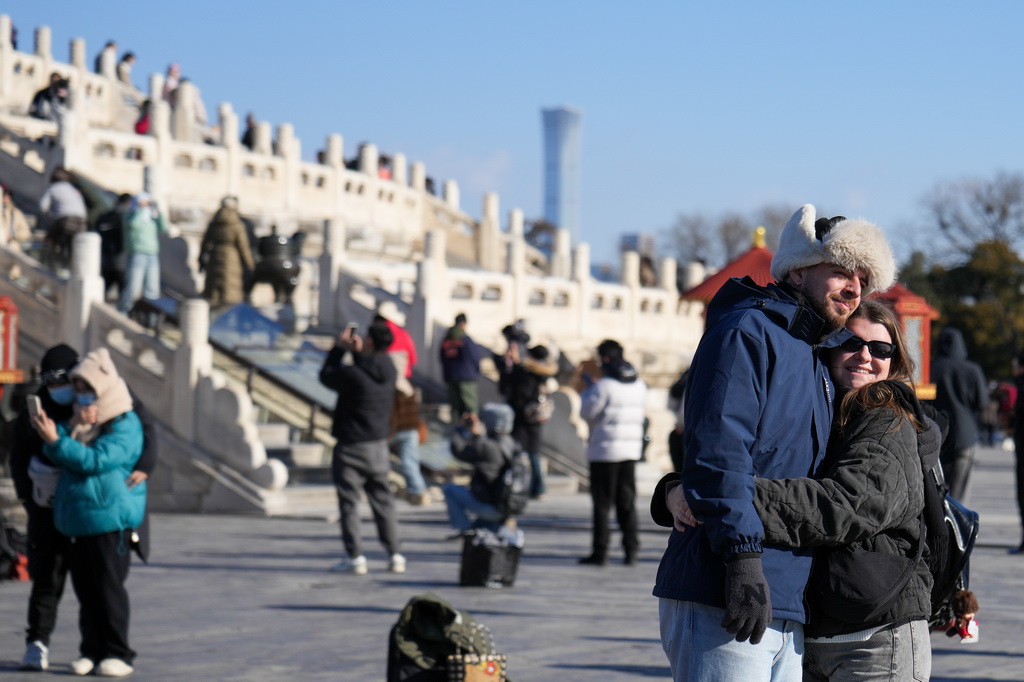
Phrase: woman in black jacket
(864, 514)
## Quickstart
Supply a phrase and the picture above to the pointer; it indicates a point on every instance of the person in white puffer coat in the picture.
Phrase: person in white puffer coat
(613, 407)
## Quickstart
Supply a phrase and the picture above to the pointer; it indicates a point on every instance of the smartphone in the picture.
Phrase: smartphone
(35, 406)
(353, 327)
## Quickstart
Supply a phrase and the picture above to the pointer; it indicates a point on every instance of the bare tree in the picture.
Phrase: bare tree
(736, 233)
(689, 239)
(973, 211)
(719, 240)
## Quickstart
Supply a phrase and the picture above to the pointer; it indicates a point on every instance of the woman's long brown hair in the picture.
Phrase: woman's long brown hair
(901, 368)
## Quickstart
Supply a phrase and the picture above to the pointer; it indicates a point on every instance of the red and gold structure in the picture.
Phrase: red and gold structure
(916, 316)
(9, 372)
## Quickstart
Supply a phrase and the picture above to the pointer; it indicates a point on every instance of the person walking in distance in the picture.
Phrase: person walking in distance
(961, 393)
(759, 403)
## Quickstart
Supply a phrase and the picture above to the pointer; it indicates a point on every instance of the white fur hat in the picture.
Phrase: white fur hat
(852, 243)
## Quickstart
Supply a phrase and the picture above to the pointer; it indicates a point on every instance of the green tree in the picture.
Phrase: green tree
(982, 297)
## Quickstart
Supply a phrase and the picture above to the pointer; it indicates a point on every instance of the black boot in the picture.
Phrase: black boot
(593, 560)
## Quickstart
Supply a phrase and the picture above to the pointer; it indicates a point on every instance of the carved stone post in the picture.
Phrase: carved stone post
(84, 288)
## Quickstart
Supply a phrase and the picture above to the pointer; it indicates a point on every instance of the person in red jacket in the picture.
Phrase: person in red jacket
(388, 312)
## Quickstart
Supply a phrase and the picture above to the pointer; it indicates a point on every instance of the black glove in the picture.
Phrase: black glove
(748, 604)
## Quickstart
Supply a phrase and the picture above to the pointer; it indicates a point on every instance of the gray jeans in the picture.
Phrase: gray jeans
(899, 653)
(364, 467)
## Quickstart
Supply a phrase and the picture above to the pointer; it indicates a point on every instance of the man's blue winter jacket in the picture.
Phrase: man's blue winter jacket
(758, 404)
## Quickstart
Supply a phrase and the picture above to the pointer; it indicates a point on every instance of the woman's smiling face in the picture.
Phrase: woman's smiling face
(855, 369)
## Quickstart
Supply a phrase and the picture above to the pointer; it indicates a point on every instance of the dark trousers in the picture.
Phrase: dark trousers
(1018, 442)
(49, 559)
(614, 483)
(364, 467)
(956, 466)
(463, 398)
(99, 567)
(528, 437)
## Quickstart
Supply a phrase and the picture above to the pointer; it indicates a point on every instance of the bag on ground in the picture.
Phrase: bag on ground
(491, 559)
(429, 631)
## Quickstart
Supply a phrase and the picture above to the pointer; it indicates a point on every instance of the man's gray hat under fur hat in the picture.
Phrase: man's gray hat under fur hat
(852, 243)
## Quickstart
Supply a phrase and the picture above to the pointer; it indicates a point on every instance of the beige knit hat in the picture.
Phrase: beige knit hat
(851, 243)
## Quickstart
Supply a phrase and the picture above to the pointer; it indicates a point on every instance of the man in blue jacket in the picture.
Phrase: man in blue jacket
(759, 403)
(460, 364)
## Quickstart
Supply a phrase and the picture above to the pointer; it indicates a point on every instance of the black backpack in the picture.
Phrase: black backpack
(510, 491)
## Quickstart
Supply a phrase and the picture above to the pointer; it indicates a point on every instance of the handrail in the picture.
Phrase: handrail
(252, 370)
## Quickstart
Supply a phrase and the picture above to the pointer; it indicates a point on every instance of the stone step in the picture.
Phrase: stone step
(311, 500)
(274, 435)
(301, 454)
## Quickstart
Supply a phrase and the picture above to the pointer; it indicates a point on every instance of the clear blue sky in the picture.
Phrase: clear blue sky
(860, 108)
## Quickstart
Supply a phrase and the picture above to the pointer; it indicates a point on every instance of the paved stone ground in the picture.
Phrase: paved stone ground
(241, 598)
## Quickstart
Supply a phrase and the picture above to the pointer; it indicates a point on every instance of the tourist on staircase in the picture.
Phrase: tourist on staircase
(63, 210)
(142, 229)
(225, 256)
(110, 226)
(53, 101)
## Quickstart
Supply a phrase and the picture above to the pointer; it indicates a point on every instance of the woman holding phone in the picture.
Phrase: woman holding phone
(97, 449)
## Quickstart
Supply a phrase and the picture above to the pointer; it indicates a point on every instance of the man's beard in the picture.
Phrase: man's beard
(827, 312)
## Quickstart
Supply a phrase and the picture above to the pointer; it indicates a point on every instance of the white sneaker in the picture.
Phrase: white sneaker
(397, 564)
(82, 666)
(114, 667)
(356, 566)
(37, 656)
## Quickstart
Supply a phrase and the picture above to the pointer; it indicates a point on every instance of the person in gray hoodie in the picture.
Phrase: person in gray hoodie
(961, 394)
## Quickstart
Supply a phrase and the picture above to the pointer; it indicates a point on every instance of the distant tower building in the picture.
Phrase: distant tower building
(643, 243)
(562, 169)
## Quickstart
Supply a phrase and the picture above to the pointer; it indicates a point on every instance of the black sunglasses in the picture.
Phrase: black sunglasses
(878, 349)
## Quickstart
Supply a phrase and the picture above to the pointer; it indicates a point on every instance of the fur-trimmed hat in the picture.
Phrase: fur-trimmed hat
(852, 243)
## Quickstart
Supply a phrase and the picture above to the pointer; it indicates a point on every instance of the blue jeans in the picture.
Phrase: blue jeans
(460, 501)
(408, 445)
(902, 652)
(142, 276)
(700, 650)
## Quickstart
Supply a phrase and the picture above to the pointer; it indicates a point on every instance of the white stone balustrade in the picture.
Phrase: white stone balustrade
(201, 416)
